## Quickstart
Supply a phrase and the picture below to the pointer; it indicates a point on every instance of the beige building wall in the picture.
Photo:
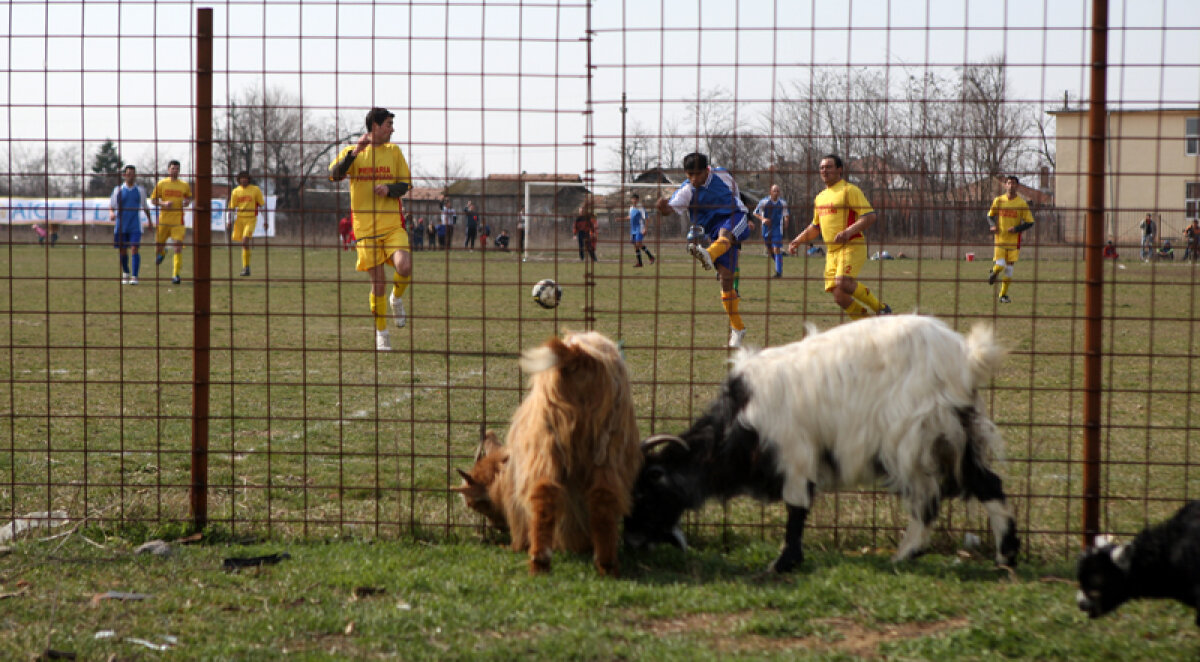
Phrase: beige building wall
(1146, 166)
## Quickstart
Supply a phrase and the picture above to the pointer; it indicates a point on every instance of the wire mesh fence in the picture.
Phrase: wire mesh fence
(540, 114)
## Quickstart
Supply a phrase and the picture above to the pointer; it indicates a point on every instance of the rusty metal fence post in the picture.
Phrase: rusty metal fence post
(202, 252)
(1093, 301)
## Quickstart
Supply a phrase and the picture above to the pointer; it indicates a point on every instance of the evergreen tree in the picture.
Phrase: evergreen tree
(107, 168)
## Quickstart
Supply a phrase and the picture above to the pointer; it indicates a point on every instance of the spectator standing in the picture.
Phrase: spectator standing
(585, 232)
(418, 235)
(1191, 241)
(449, 218)
(1148, 228)
(472, 218)
(522, 222)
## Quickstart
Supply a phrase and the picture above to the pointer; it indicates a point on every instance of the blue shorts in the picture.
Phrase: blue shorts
(773, 241)
(123, 239)
(740, 229)
(636, 238)
(737, 226)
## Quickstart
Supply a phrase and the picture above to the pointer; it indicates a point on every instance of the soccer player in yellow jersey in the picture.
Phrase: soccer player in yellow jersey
(841, 216)
(379, 177)
(171, 195)
(1007, 219)
(244, 203)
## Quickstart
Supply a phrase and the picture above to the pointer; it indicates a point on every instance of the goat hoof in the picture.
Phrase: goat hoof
(613, 570)
(784, 564)
(539, 566)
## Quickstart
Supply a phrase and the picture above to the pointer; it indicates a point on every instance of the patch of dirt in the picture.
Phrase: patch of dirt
(840, 634)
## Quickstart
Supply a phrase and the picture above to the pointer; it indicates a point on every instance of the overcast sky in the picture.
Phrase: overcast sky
(503, 86)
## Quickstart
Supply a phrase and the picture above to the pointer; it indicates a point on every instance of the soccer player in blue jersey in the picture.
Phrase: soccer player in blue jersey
(710, 199)
(124, 206)
(637, 229)
(772, 211)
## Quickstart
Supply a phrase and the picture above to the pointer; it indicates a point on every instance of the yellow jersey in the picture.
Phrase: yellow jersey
(837, 208)
(375, 215)
(246, 200)
(174, 192)
(1008, 214)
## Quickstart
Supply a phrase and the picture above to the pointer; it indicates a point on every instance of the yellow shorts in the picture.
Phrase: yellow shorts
(844, 261)
(1007, 253)
(374, 251)
(165, 232)
(244, 229)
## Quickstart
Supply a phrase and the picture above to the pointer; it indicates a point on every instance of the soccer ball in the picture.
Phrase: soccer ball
(546, 293)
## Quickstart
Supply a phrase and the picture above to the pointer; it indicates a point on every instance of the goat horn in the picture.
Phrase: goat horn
(466, 476)
(654, 441)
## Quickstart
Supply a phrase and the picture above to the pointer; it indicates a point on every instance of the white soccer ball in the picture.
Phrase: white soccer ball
(546, 293)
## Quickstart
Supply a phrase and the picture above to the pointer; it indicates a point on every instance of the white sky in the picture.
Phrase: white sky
(503, 87)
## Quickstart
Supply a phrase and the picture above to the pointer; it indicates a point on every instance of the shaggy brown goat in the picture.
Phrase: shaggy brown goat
(565, 479)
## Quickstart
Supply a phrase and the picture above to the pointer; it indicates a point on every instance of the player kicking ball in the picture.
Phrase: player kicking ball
(710, 200)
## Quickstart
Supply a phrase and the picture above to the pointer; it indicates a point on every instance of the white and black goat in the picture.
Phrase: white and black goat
(1163, 561)
(892, 399)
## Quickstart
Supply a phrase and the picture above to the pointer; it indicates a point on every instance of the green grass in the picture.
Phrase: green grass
(314, 437)
(450, 601)
(312, 433)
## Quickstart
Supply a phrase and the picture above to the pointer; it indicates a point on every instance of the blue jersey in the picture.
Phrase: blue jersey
(637, 221)
(714, 205)
(776, 211)
(128, 203)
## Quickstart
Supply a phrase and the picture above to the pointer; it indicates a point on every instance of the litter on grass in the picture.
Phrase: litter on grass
(38, 520)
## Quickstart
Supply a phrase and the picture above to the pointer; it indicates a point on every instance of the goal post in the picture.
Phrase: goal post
(551, 209)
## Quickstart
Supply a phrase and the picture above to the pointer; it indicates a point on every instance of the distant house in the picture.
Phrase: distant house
(1152, 165)
(422, 202)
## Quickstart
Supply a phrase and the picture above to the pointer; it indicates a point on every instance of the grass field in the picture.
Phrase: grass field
(452, 601)
(314, 433)
(316, 437)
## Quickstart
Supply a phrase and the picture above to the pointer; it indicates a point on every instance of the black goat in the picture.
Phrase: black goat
(1163, 561)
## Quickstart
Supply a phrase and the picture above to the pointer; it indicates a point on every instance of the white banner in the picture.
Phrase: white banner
(89, 211)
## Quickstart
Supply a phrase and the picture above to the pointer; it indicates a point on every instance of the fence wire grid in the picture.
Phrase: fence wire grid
(537, 113)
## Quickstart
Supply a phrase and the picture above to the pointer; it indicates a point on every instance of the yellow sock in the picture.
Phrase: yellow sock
(379, 309)
(245, 257)
(864, 295)
(400, 284)
(177, 262)
(855, 311)
(1004, 286)
(729, 301)
(718, 248)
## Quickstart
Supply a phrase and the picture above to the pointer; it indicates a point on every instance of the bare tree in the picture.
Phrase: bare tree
(268, 133)
(995, 129)
(441, 176)
(38, 170)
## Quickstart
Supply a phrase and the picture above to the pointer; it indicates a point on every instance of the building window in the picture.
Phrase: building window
(1193, 137)
(1192, 202)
